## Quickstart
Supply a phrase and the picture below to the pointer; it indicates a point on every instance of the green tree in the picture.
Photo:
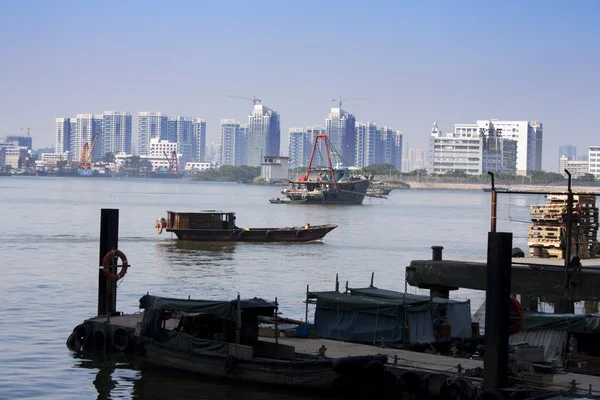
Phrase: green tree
(380, 169)
(109, 158)
(586, 178)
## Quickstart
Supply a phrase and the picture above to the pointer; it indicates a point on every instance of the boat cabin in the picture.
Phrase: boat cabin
(205, 219)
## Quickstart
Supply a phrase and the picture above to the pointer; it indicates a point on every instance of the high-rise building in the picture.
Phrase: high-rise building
(390, 150)
(297, 139)
(567, 150)
(20, 141)
(84, 134)
(213, 153)
(199, 151)
(116, 128)
(102, 144)
(263, 135)
(341, 131)
(184, 127)
(232, 144)
(528, 135)
(171, 134)
(62, 135)
(417, 159)
(367, 141)
(577, 169)
(151, 125)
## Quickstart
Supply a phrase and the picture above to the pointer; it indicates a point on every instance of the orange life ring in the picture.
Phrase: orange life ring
(516, 308)
(106, 261)
(159, 226)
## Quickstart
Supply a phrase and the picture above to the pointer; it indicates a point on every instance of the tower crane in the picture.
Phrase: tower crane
(253, 99)
(354, 98)
(173, 162)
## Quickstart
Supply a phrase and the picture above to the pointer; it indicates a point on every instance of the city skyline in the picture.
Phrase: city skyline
(428, 55)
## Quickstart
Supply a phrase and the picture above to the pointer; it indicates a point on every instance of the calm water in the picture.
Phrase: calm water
(49, 242)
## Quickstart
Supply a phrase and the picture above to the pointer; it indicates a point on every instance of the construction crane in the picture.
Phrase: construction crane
(173, 162)
(354, 98)
(253, 99)
(85, 159)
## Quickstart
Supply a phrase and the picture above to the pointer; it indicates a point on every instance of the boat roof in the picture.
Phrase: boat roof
(202, 212)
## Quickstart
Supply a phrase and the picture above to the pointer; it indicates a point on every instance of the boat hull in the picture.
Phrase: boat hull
(349, 192)
(342, 373)
(254, 234)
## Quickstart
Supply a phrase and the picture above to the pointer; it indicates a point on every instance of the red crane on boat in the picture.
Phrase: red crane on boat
(312, 155)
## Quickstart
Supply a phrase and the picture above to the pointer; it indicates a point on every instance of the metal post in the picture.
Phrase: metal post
(569, 229)
(306, 311)
(372, 278)
(497, 309)
(436, 253)
(109, 239)
(276, 328)
(238, 322)
(494, 205)
(337, 283)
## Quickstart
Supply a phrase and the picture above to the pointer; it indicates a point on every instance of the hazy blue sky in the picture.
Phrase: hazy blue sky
(418, 61)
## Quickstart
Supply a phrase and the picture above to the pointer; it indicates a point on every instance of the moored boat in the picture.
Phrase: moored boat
(328, 185)
(220, 339)
(219, 226)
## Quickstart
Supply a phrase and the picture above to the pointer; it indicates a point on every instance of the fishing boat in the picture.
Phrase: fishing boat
(328, 185)
(221, 339)
(220, 226)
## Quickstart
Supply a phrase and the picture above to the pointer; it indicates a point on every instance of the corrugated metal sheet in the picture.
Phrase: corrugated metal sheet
(554, 342)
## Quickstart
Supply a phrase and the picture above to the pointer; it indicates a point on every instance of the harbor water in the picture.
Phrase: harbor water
(49, 241)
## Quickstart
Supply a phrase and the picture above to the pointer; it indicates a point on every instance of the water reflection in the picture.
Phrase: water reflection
(159, 383)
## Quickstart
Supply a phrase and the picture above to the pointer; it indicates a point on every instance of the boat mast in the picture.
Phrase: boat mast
(312, 155)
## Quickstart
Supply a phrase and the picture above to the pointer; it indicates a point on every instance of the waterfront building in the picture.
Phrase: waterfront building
(301, 142)
(151, 125)
(576, 168)
(594, 161)
(185, 138)
(213, 153)
(196, 166)
(102, 145)
(340, 128)
(199, 137)
(471, 151)
(232, 144)
(117, 135)
(62, 135)
(171, 135)
(390, 147)
(274, 169)
(263, 135)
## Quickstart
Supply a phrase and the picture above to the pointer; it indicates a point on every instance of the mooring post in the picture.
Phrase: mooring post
(306, 309)
(497, 309)
(436, 253)
(494, 215)
(569, 229)
(109, 239)
(337, 283)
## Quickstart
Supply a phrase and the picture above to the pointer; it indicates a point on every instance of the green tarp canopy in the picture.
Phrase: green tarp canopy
(225, 309)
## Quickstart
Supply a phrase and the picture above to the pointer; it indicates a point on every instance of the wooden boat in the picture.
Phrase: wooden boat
(219, 226)
(220, 339)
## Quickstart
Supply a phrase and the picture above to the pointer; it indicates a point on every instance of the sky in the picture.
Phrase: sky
(403, 64)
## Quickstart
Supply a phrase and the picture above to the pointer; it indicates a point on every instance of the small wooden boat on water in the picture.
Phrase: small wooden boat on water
(220, 339)
(219, 226)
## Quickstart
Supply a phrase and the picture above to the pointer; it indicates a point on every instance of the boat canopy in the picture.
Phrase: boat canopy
(224, 309)
(367, 315)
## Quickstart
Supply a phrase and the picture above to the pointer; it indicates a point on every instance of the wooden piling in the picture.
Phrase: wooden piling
(109, 239)
(497, 310)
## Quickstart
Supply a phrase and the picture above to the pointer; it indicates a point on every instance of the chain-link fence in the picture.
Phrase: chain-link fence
(550, 227)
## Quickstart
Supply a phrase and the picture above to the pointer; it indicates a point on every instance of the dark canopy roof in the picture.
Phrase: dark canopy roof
(219, 308)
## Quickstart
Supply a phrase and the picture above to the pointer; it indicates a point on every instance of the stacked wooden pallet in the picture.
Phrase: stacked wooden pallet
(548, 229)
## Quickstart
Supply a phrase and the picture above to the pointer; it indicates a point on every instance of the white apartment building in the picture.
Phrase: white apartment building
(367, 140)
(232, 143)
(297, 140)
(62, 135)
(528, 135)
(576, 168)
(199, 126)
(340, 128)
(196, 166)
(594, 161)
(470, 151)
(116, 128)
(151, 125)
(263, 135)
